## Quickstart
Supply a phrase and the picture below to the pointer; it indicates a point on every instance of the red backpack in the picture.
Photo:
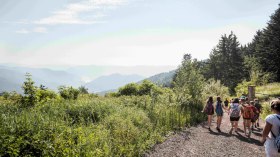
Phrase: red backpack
(248, 112)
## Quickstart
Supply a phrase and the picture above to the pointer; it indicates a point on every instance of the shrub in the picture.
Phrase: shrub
(29, 98)
(129, 89)
(215, 88)
(69, 93)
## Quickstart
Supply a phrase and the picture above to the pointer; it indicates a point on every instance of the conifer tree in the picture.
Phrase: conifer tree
(267, 46)
(226, 62)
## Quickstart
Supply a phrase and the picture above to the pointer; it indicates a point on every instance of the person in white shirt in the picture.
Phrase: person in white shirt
(271, 130)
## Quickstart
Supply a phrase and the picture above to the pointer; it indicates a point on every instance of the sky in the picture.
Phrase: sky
(122, 32)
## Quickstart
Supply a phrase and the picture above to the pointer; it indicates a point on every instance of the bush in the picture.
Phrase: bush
(45, 95)
(68, 93)
(129, 89)
(215, 88)
(29, 98)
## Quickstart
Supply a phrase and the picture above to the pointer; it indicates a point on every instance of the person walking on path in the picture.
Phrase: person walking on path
(226, 102)
(247, 112)
(271, 130)
(234, 110)
(219, 111)
(256, 115)
(259, 108)
(209, 110)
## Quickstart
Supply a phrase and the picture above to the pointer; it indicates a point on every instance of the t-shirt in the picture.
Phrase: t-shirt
(275, 122)
(234, 110)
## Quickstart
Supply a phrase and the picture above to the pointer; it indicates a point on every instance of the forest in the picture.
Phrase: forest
(74, 122)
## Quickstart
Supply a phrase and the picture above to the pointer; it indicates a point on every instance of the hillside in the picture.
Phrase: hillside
(13, 77)
(163, 79)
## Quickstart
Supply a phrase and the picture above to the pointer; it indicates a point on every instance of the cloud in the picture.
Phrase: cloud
(35, 30)
(40, 30)
(23, 31)
(71, 12)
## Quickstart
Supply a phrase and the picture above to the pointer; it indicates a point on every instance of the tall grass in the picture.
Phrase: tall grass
(92, 126)
(266, 94)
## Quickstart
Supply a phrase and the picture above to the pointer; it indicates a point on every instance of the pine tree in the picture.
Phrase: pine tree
(226, 62)
(267, 46)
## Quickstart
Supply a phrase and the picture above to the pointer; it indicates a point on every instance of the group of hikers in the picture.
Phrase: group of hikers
(250, 112)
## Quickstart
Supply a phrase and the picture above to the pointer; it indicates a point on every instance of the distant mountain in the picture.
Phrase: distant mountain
(11, 78)
(110, 82)
(91, 72)
(163, 79)
(95, 78)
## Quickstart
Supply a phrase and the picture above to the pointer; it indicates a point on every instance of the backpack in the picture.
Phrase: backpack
(277, 138)
(209, 108)
(235, 111)
(219, 109)
(248, 112)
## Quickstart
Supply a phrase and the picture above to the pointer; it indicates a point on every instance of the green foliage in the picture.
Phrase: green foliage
(91, 125)
(188, 81)
(257, 78)
(215, 88)
(266, 46)
(267, 91)
(129, 89)
(188, 86)
(29, 98)
(12, 96)
(266, 110)
(83, 90)
(43, 95)
(226, 62)
(68, 93)
(145, 88)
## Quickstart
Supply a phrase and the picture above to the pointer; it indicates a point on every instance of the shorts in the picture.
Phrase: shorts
(234, 118)
(246, 118)
(220, 114)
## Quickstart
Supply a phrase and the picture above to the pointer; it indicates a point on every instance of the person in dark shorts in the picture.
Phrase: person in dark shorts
(234, 109)
(255, 116)
(259, 108)
(219, 112)
(209, 110)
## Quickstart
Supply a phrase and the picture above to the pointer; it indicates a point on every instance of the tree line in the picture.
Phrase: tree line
(257, 61)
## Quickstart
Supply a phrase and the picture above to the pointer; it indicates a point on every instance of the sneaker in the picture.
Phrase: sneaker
(219, 130)
(258, 124)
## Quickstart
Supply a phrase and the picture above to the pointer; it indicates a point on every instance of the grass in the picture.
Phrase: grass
(92, 126)
(266, 94)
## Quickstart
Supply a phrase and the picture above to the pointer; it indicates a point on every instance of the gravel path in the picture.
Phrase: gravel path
(199, 141)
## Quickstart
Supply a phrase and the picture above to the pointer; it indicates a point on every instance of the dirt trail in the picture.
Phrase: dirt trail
(200, 142)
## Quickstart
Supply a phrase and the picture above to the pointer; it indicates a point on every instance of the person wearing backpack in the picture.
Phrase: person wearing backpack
(271, 132)
(209, 110)
(219, 112)
(255, 116)
(234, 112)
(247, 112)
(259, 108)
